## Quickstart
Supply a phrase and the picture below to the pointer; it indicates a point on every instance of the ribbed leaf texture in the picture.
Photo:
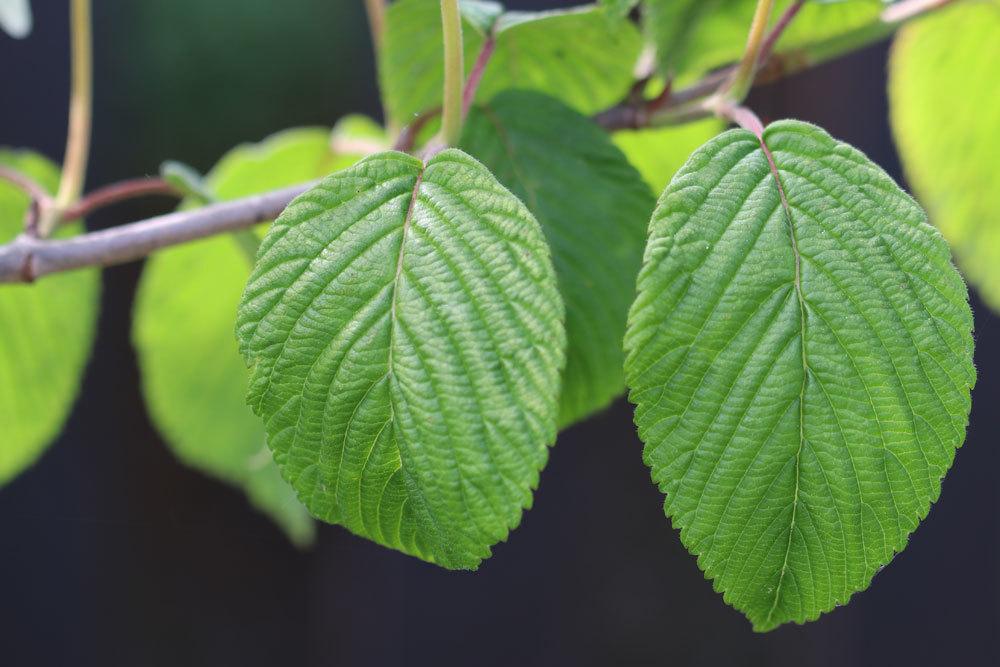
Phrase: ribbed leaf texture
(579, 55)
(405, 335)
(47, 333)
(593, 208)
(945, 103)
(193, 378)
(801, 369)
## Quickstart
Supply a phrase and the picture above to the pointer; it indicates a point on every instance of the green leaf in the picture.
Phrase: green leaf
(801, 372)
(618, 8)
(285, 158)
(694, 36)
(15, 18)
(186, 180)
(593, 207)
(577, 55)
(945, 106)
(405, 337)
(481, 15)
(194, 379)
(659, 152)
(47, 335)
(357, 135)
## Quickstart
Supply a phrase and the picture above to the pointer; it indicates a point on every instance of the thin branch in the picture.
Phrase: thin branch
(783, 64)
(677, 106)
(80, 107)
(118, 192)
(635, 112)
(454, 74)
(26, 258)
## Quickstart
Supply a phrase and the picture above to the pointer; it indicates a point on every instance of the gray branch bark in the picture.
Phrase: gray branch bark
(26, 258)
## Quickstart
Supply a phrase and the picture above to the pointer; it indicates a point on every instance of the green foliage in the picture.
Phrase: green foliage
(186, 180)
(405, 337)
(945, 105)
(47, 334)
(693, 36)
(193, 377)
(577, 55)
(15, 18)
(659, 152)
(618, 8)
(801, 373)
(592, 206)
(418, 329)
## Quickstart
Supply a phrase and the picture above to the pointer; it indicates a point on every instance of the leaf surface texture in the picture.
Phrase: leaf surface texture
(801, 372)
(593, 207)
(405, 336)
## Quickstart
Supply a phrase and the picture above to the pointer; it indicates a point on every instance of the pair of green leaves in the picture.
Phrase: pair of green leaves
(799, 352)
(799, 349)
(767, 298)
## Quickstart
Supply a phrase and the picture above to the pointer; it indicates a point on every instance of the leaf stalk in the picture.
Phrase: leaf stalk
(738, 87)
(454, 72)
(74, 170)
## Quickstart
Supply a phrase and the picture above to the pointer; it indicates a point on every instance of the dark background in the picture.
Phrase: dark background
(112, 553)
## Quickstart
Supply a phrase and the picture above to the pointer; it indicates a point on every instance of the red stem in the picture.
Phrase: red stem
(24, 183)
(767, 48)
(476, 75)
(743, 117)
(118, 192)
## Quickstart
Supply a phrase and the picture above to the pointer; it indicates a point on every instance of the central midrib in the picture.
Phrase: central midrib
(407, 219)
(797, 282)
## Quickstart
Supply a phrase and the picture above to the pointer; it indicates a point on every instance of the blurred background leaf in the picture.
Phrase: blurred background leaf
(15, 18)
(46, 333)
